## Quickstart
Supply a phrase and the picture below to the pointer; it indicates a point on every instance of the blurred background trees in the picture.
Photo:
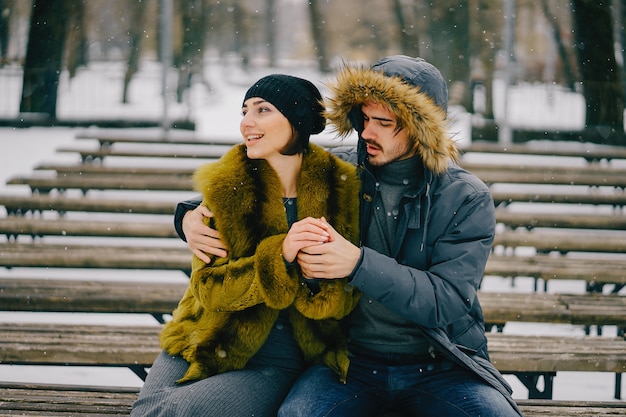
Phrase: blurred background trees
(567, 43)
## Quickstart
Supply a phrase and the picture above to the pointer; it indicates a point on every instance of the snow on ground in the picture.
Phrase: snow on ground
(215, 107)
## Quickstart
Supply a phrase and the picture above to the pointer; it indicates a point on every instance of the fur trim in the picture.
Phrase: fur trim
(424, 121)
(231, 305)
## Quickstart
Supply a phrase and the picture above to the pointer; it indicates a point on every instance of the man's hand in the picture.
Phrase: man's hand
(201, 239)
(304, 233)
(333, 259)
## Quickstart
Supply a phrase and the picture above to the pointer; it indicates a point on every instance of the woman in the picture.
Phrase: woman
(249, 323)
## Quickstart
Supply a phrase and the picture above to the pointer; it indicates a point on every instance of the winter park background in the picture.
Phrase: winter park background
(215, 108)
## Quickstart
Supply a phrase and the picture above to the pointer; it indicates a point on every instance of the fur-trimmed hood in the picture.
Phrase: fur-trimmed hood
(414, 91)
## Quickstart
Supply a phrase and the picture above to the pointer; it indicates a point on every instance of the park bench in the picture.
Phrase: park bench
(588, 152)
(525, 220)
(596, 272)
(91, 401)
(82, 345)
(579, 309)
(36, 227)
(14, 255)
(89, 182)
(160, 298)
(489, 174)
(530, 358)
(86, 182)
(39, 203)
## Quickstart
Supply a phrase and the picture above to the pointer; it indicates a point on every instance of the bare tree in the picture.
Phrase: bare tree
(135, 35)
(76, 38)
(272, 53)
(319, 35)
(44, 56)
(409, 41)
(5, 19)
(240, 23)
(593, 27)
(189, 53)
(556, 32)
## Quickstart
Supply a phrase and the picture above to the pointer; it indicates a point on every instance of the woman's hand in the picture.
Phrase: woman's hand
(305, 233)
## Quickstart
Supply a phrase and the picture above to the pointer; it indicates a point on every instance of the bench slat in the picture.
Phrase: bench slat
(178, 258)
(60, 227)
(29, 343)
(110, 182)
(57, 295)
(32, 400)
(39, 202)
(548, 267)
(569, 221)
(488, 173)
(29, 294)
(589, 153)
(56, 256)
(172, 183)
(81, 345)
(563, 242)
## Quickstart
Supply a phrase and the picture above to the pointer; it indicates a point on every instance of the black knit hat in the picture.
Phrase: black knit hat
(296, 98)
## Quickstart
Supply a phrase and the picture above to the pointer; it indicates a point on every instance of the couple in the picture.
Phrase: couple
(334, 290)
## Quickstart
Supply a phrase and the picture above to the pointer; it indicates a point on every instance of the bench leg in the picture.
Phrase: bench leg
(618, 386)
(530, 380)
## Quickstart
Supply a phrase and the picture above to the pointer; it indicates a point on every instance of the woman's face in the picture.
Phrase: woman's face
(265, 130)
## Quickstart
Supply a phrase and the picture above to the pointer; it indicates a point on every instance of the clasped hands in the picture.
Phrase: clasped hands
(321, 252)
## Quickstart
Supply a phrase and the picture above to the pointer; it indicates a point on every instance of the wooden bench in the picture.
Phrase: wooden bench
(591, 153)
(36, 227)
(14, 255)
(207, 152)
(88, 182)
(562, 242)
(590, 176)
(529, 221)
(136, 347)
(160, 298)
(505, 348)
(39, 203)
(90, 296)
(594, 271)
(90, 401)
(101, 182)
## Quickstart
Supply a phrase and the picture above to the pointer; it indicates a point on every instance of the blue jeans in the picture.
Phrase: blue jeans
(427, 389)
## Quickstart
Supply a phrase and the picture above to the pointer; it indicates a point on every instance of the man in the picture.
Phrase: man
(416, 338)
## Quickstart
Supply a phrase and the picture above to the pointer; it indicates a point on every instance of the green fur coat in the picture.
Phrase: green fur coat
(232, 303)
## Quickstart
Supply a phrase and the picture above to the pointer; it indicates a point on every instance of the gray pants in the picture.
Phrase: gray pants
(257, 390)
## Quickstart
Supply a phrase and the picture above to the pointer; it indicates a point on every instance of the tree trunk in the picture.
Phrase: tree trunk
(5, 19)
(76, 38)
(602, 85)
(568, 72)
(450, 35)
(319, 35)
(135, 34)
(44, 56)
(409, 39)
(272, 54)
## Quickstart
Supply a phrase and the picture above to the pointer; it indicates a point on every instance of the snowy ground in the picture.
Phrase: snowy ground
(216, 112)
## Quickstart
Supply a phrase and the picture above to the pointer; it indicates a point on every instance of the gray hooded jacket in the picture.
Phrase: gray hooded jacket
(446, 229)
